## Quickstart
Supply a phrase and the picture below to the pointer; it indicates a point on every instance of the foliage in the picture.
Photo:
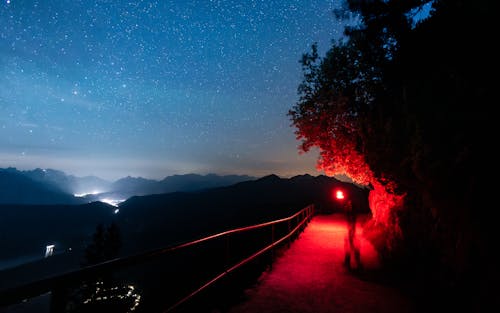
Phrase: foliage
(106, 244)
(404, 108)
(103, 293)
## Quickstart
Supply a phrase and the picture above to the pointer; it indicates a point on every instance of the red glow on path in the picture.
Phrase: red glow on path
(310, 276)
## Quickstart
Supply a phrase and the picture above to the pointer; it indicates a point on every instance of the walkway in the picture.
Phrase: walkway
(309, 277)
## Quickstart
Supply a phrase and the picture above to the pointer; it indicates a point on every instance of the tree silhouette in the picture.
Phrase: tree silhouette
(106, 244)
(103, 293)
(405, 108)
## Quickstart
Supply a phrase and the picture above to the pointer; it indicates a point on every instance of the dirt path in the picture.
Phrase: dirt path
(310, 277)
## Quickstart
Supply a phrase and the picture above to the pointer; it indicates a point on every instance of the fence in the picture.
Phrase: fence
(220, 255)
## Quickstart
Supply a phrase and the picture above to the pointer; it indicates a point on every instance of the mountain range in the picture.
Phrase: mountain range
(155, 220)
(158, 220)
(137, 186)
(17, 188)
(49, 186)
(25, 230)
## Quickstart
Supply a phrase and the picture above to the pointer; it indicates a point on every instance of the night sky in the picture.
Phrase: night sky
(155, 88)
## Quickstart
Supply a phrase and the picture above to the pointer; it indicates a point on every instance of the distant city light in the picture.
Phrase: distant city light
(80, 195)
(113, 202)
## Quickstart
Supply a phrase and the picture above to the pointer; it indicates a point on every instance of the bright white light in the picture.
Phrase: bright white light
(113, 202)
(79, 195)
(49, 250)
(116, 211)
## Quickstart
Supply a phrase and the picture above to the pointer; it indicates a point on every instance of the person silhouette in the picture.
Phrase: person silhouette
(352, 258)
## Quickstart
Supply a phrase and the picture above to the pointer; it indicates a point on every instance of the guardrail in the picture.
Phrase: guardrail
(291, 225)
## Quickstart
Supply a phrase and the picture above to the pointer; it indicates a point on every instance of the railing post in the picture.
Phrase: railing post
(289, 230)
(227, 256)
(272, 242)
(297, 220)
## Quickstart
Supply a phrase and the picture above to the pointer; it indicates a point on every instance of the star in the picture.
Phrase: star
(165, 86)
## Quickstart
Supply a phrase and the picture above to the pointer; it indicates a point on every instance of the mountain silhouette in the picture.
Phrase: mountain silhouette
(68, 183)
(157, 220)
(27, 229)
(137, 186)
(95, 188)
(154, 221)
(16, 188)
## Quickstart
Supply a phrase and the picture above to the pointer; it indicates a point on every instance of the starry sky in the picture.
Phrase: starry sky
(155, 88)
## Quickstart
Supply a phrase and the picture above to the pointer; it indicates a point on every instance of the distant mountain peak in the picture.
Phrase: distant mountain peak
(129, 186)
(271, 177)
(303, 176)
(18, 188)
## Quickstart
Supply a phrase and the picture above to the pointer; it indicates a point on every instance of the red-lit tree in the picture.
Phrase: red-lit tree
(335, 96)
(405, 109)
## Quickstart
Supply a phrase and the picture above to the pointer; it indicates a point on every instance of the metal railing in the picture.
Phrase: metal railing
(292, 224)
